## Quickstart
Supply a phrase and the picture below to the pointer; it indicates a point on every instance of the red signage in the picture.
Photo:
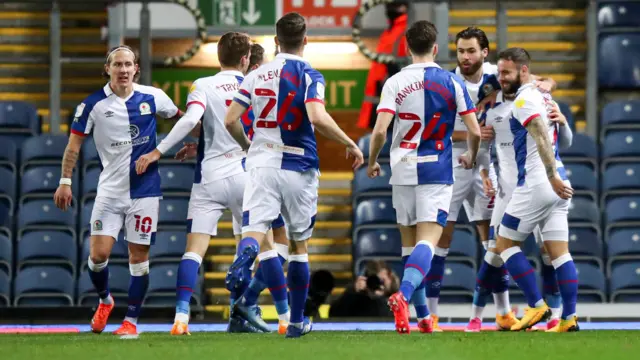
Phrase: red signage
(324, 13)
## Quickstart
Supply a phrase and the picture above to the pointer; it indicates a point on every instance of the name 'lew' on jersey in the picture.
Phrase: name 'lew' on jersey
(124, 130)
(283, 136)
(219, 155)
(425, 100)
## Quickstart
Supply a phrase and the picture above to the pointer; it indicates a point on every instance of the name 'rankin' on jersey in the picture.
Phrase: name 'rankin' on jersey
(430, 85)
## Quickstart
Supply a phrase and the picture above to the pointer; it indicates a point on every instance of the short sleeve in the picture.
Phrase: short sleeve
(82, 119)
(388, 97)
(243, 96)
(164, 105)
(527, 106)
(463, 100)
(315, 86)
(197, 95)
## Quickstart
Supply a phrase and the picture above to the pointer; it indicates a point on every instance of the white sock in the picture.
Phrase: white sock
(503, 307)
(476, 312)
(107, 301)
(540, 303)
(182, 317)
(298, 325)
(555, 313)
(432, 305)
(134, 321)
(284, 317)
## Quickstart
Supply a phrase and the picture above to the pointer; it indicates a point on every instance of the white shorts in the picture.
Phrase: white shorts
(533, 206)
(140, 218)
(421, 203)
(468, 192)
(270, 192)
(208, 202)
(501, 201)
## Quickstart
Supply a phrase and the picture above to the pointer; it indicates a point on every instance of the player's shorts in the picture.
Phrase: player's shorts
(270, 192)
(139, 216)
(533, 206)
(501, 201)
(421, 203)
(468, 192)
(276, 224)
(208, 202)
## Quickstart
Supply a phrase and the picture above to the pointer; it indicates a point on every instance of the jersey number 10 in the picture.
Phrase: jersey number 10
(427, 134)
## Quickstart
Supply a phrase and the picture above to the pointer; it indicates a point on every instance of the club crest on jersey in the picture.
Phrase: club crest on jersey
(519, 103)
(192, 88)
(134, 131)
(487, 89)
(97, 225)
(79, 110)
(145, 109)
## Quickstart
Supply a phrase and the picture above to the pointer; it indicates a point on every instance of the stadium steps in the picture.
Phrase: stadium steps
(553, 32)
(24, 54)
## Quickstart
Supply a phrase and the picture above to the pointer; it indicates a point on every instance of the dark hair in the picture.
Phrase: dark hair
(257, 55)
(232, 46)
(421, 37)
(290, 31)
(136, 60)
(518, 55)
(473, 32)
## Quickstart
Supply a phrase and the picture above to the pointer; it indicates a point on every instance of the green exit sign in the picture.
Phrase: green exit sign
(238, 12)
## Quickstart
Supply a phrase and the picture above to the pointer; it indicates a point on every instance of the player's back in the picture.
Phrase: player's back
(283, 136)
(219, 155)
(425, 100)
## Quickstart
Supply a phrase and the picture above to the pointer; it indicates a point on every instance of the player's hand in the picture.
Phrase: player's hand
(360, 284)
(556, 115)
(356, 153)
(373, 170)
(544, 86)
(487, 186)
(465, 161)
(487, 133)
(145, 160)
(489, 100)
(63, 197)
(188, 151)
(563, 190)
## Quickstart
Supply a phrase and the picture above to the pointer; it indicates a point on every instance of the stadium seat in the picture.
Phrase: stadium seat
(43, 214)
(374, 210)
(618, 56)
(565, 109)
(582, 148)
(622, 208)
(532, 251)
(89, 153)
(621, 143)
(583, 178)
(90, 179)
(364, 143)
(620, 114)
(176, 178)
(6, 254)
(85, 213)
(118, 286)
(173, 211)
(42, 181)
(9, 155)
(8, 186)
(584, 210)
(5, 289)
(44, 286)
(458, 283)
(585, 245)
(6, 220)
(162, 287)
(381, 243)
(621, 176)
(170, 154)
(43, 149)
(592, 286)
(169, 246)
(623, 245)
(19, 119)
(464, 247)
(618, 14)
(362, 183)
(49, 247)
(624, 282)
(119, 252)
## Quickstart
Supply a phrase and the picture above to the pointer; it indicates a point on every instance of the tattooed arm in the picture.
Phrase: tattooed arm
(63, 195)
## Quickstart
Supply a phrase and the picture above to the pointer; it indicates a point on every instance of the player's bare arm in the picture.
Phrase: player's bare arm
(545, 84)
(538, 131)
(63, 195)
(473, 140)
(234, 126)
(378, 138)
(325, 124)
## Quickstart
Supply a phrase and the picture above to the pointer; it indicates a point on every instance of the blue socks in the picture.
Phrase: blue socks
(419, 299)
(187, 278)
(138, 285)
(298, 282)
(416, 268)
(550, 289)
(483, 285)
(273, 276)
(523, 274)
(568, 284)
(434, 278)
(258, 284)
(99, 275)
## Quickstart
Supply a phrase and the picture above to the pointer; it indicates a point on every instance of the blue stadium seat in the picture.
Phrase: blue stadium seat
(623, 245)
(464, 247)
(162, 287)
(85, 213)
(9, 155)
(380, 243)
(90, 180)
(362, 183)
(618, 60)
(6, 220)
(620, 114)
(374, 210)
(592, 286)
(173, 211)
(43, 149)
(49, 247)
(583, 177)
(622, 208)
(585, 245)
(621, 144)
(458, 283)
(8, 186)
(176, 178)
(618, 14)
(5, 289)
(42, 181)
(44, 286)
(19, 119)
(118, 286)
(171, 153)
(565, 109)
(89, 152)
(43, 214)
(6, 254)
(624, 282)
(583, 149)
(119, 252)
(364, 143)
(621, 176)
(169, 246)
(532, 251)
(583, 209)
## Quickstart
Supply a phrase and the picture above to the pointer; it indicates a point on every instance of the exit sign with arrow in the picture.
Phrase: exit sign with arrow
(239, 12)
